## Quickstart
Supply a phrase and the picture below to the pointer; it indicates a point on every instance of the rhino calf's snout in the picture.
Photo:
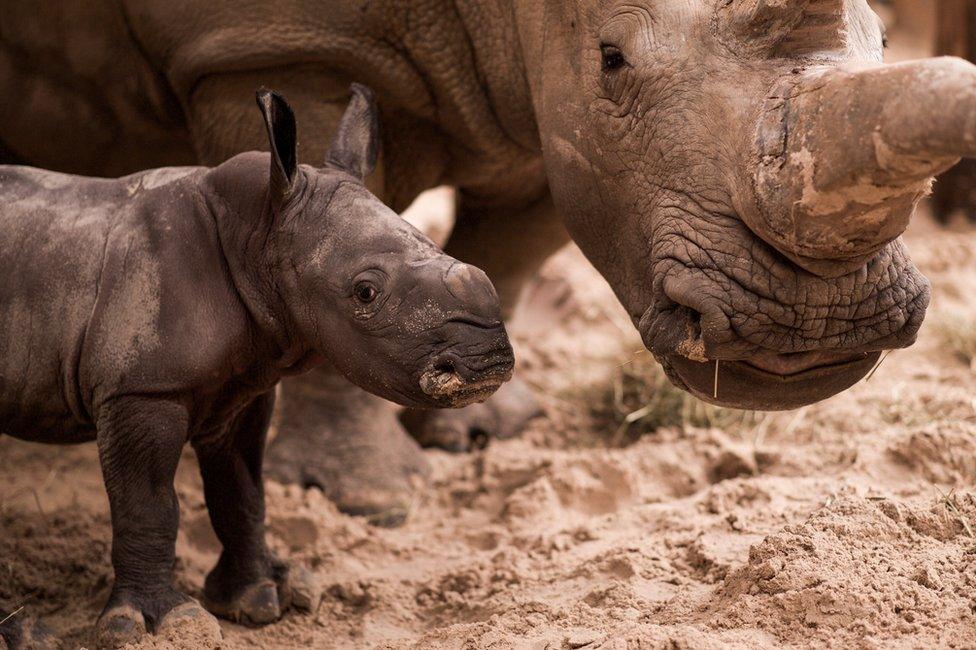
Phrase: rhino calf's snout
(472, 370)
(471, 287)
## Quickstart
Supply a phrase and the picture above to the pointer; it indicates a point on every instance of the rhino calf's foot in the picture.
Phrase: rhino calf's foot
(348, 443)
(503, 415)
(262, 600)
(168, 613)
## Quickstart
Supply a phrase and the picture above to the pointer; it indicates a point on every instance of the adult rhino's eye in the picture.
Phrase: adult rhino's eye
(365, 292)
(613, 58)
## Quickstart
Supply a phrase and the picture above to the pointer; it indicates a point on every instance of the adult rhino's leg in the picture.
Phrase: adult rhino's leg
(510, 246)
(331, 434)
(956, 189)
(350, 444)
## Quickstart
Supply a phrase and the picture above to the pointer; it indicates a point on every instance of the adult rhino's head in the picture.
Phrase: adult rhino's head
(740, 171)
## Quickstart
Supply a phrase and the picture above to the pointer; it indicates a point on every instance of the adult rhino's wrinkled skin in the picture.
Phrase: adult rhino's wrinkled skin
(739, 171)
(163, 308)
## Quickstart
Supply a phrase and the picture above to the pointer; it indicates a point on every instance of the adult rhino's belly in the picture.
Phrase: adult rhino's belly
(99, 110)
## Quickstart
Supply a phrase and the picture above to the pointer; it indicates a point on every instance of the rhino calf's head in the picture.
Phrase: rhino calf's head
(367, 290)
(741, 171)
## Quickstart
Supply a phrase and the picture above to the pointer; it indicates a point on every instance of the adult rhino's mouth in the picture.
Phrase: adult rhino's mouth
(799, 365)
(783, 338)
(740, 384)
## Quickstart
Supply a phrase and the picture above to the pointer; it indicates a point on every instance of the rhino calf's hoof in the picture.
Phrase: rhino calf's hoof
(119, 626)
(257, 604)
(191, 625)
(264, 600)
(168, 614)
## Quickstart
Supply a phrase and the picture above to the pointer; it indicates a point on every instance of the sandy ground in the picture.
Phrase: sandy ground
(846, 524)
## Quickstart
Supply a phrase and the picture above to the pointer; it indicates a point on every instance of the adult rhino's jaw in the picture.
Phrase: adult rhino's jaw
(769, 335)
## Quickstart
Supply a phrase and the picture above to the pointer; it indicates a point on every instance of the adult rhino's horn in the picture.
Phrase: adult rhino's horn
(784, 27)
(846, 154)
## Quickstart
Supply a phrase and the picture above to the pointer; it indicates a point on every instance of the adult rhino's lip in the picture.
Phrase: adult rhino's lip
(799, 364)
(743, 385)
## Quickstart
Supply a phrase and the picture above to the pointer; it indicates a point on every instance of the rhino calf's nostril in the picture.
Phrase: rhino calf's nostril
(446, 367)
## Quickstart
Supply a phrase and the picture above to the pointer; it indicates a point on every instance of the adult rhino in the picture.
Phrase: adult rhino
(739, 171)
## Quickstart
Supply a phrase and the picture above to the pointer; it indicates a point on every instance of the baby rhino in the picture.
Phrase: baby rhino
(164, 307)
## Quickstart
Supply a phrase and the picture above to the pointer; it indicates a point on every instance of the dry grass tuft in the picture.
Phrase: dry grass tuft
(951, 503)
(12, 614)
(640, 400)
(958, 334)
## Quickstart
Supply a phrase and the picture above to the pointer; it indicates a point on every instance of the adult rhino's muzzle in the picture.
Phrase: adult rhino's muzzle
(841, 158)
(774, 336)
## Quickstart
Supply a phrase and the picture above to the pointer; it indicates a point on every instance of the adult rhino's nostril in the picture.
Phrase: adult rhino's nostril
(704, 325)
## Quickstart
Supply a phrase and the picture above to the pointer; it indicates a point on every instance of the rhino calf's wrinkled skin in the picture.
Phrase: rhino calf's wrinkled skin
(164, 307)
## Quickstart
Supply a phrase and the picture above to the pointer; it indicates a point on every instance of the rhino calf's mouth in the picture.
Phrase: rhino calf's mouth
(455, 384)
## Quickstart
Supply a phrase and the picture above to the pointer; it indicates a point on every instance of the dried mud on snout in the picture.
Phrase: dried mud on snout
(847, 524)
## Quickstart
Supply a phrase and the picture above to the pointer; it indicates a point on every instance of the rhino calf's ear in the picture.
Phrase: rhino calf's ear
(357, 142)
(280, 122)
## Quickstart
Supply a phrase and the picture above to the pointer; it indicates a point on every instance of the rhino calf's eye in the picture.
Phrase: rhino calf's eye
(613, 58)
(365, 292)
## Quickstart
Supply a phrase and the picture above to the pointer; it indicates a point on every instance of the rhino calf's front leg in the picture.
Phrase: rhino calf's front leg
(248, 585)
(139, 444)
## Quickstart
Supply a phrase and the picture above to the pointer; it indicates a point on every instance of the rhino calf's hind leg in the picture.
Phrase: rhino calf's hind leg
(248, 584)
(510, 245)
(139, 444)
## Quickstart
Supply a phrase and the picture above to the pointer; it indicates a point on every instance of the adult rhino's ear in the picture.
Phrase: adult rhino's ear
(280, 122)
(357, 142)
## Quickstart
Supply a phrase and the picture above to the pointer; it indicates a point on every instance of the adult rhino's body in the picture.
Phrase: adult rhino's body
(706, 155)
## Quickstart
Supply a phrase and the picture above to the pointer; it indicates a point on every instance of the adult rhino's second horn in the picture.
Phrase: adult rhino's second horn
(846, 154)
